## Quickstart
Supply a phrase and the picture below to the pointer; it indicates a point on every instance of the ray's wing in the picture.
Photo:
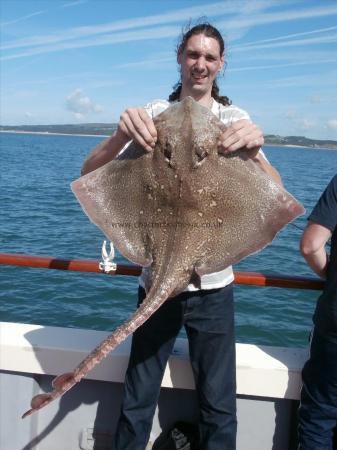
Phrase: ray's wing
(243, 209)
(113, 198)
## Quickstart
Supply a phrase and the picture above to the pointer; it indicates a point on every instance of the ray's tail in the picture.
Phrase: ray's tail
(63, 383)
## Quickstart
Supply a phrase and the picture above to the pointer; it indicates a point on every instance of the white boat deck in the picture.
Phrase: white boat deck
(268, 385)
(262, 371)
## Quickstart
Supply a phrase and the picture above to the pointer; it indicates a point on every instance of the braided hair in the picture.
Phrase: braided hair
(209, 31)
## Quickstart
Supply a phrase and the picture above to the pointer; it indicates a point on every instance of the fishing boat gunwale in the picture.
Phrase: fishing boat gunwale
(268, 377)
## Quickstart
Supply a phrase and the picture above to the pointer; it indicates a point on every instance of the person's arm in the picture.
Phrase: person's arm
(243, 134)
(134, 124)
(312, 247)
(104, 152)
(270, 170)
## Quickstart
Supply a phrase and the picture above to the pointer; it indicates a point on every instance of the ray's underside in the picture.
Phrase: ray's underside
(182, 211)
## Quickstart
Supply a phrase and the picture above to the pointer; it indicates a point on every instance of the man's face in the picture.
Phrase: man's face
(200, 63)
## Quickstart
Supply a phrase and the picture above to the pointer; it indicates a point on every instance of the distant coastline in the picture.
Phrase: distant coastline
(300, 141)
(48, 133)
(106, 130)
(87, 129)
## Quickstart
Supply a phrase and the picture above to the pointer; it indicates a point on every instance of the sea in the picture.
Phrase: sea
(40, 216)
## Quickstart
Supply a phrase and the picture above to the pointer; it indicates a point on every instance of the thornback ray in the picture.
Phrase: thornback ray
(182, 210)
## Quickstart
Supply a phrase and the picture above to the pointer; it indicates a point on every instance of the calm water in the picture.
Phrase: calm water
(40, 216)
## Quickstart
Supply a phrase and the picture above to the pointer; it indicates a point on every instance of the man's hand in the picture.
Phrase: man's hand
(136, 124)
(247, 136)
(241, 135)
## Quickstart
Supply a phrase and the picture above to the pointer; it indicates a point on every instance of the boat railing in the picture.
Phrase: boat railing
(84, 265)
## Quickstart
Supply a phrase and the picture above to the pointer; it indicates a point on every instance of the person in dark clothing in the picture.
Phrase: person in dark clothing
(318, 407)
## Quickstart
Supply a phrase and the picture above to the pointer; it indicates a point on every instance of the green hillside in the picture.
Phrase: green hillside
(107, 129)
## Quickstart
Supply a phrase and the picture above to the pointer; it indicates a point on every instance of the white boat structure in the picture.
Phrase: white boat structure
(268, 382)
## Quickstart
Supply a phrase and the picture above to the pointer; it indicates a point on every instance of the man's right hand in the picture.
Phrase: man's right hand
(136, 124)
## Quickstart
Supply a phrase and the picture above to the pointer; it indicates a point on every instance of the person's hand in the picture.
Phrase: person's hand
(241, 135)
(136, 124)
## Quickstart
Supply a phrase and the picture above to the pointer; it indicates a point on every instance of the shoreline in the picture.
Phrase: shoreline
(48, 133)
(299, 146)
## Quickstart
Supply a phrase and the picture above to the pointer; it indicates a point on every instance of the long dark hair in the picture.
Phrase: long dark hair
(209, 31)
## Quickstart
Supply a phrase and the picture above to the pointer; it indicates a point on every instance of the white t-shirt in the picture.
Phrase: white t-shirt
(228, 115)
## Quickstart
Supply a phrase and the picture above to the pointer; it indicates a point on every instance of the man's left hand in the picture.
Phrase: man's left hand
(241, 135)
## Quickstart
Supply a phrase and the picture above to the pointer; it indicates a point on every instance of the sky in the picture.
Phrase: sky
(86, 61)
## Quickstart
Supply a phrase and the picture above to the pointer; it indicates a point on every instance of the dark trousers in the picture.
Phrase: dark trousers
(208, 317)
(318, 407)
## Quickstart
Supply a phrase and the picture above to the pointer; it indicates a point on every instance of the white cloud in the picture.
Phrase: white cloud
(290, 114)
(332, 124)
(79, 116)
(327, 39)
(20, 19)
(280, 16)
(256, 44)
(148, 63)
(326, 78)
(275, 66)
(81, 105)
(315, 99)
(305, 124)
(213, 9)
(299, 122)
(106, 39)
(156, 27)
(75, 3)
